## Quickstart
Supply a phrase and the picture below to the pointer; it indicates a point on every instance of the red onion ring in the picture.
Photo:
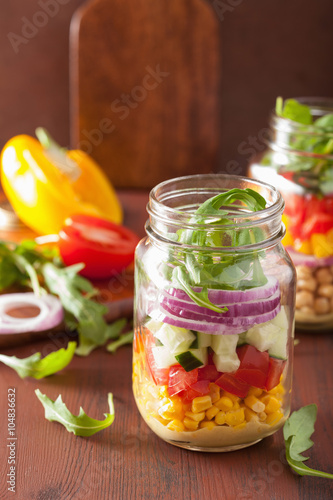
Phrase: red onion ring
(226, 297)
(303, 259)
(238, 325)
(50, 313)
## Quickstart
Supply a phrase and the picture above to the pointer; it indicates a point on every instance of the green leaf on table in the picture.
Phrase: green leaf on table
(126, 338)
(294, 111)
(35, 367)
(68, 285)
(80, 425)
(297, 432)
(86, 346)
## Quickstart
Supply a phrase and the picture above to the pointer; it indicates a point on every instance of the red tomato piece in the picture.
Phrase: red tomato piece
(230, 383)
(196, 390)
(104, 247)
(208, 372)
(275, 370)
(253, 366)
(180, 380)
(318, 223)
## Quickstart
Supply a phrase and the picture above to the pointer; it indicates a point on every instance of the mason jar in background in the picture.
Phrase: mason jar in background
(299, 163)
(214, 314)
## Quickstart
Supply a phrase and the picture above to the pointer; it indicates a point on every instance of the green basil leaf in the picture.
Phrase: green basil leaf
(294, 111)
(126, 338)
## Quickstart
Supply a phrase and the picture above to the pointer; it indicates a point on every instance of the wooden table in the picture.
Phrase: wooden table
(127, 461)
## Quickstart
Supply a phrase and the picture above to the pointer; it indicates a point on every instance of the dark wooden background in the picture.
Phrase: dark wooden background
(268, 48)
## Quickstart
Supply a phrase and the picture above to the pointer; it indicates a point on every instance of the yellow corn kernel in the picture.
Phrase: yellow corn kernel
(262, 416)
(224, 403)
(161, 419)
(176, 425)
(171, 410)
(207, 425)
(177, 404)
(220, 418)
(255, 391)
(201, 403)
(254, 403)
(231, 396)
(190, 424)
(236, 406)
(250, 415)
(271, 403)
(240, 426)
(236, 417)
(214, 392)
(211, 412)
(196, 416)
(278, 389)
(163, 391)
(273, 418)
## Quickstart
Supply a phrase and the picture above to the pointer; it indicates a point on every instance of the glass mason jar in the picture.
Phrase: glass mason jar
(214, 316)
(299, 163)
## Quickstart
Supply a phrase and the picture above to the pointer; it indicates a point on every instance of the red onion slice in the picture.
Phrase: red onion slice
(226, 297)
(50, 313)
(250, 308)
(238, 325)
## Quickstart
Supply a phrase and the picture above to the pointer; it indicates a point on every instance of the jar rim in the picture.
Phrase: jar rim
(214, 183)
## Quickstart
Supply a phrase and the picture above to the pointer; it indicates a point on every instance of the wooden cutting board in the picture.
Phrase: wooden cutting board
(145, 88)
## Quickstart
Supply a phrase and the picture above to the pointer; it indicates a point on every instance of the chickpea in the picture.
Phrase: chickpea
(324, 275)
(307, 284)
(326, 291)
(307, 310)
(304, 298)
(303, 272)
(321, 305)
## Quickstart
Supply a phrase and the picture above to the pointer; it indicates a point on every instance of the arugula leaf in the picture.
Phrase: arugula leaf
(86, 346)
(297, 432)
(294, 111)
(126, 338)
(68, 286)
(179, 278)
(325, 122)
(34, 366)
(80, 425)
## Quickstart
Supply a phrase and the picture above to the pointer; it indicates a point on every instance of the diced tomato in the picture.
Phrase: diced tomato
(196, 390)
(253, 368)
(275, 370)
(317, 223)
(230, 383)
(208, 372)
(180, 380)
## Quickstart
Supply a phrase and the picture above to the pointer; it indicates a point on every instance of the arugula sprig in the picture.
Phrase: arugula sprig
(312, 136)
(23, 265)
(297, 432)
(188, 268)
(35, 367)
(80, 425)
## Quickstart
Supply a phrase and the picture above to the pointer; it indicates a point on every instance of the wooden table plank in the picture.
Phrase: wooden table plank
(127, 460)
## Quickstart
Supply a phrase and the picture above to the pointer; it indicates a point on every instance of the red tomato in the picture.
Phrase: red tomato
(230, 383)
(253, 366)
(180, 380)
(196, 390)
(104, 247)
(318, 223)
(208, 372)
(275, 370)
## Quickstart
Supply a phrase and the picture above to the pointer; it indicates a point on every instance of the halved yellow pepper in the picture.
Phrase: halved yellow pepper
(45, 184)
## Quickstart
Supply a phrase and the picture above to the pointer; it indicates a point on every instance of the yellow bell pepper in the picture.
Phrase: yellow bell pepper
(45, 184)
